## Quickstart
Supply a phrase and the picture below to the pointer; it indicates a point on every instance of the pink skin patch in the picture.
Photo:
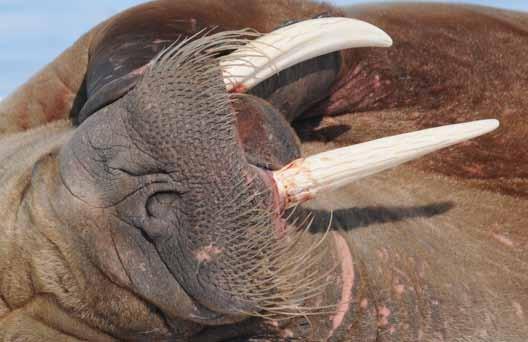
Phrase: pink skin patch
(518, 310)
(279, 223)
(383, 316)
(503, 239)
(239, 89)
(207, 253)
(347, 274)
(399, 289)
(383, 254)
(273, 323)
(364, 304)
(287, 333)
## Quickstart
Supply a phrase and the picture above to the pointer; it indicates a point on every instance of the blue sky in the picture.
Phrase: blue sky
(33, 32)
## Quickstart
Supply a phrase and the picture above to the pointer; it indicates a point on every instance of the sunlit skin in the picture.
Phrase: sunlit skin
(147, 196)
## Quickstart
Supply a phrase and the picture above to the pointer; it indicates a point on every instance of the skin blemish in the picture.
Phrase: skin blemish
(287, 333)
(194, 24)
(421, 268)
(383, 316)
(364, 304)
(503, 239)
(161, 41)
(141, 70)
(274, 323)
(399, 289)
(401, 273)
(383, 254)
(207, 253)
(239, 89)
(377, 83)
(518, 310)
(347, 275)
(474, 170)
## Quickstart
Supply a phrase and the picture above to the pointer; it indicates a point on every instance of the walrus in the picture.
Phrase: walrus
(148, 194)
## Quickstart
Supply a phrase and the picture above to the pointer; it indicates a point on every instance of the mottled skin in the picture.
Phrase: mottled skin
(432, 251)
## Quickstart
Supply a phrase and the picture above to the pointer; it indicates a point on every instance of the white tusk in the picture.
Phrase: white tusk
(304, 178)
(290, 45)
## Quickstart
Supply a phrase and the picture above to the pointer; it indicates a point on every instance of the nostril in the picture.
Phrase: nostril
(268, 140)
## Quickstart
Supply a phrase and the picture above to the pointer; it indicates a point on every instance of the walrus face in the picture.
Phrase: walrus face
(165, 169)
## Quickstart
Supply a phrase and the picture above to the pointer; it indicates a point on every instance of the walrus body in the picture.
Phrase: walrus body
(432, 251)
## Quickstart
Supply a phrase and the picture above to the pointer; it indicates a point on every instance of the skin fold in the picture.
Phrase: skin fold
(434, 250)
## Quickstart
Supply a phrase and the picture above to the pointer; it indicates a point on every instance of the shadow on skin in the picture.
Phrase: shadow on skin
(310, 131)
(354, 218)
(343, 219)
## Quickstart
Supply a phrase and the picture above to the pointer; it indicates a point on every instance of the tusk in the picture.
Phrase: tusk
(304, 178)
(290, 45)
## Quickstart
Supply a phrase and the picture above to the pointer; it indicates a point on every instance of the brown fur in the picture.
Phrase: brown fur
(451, 274)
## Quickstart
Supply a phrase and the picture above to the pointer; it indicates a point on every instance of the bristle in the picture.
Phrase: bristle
(273, 271)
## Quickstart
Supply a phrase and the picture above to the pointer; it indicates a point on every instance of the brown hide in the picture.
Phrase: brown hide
(448, 64)
(435, 250)
(439, 246)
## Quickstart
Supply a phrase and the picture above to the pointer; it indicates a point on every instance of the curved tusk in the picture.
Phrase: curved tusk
(290, 45)
(304, 178)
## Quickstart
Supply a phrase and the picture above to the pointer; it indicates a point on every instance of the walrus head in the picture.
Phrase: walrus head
(165, 167)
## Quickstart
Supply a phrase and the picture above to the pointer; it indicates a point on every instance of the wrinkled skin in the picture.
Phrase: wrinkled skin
(94, 234)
